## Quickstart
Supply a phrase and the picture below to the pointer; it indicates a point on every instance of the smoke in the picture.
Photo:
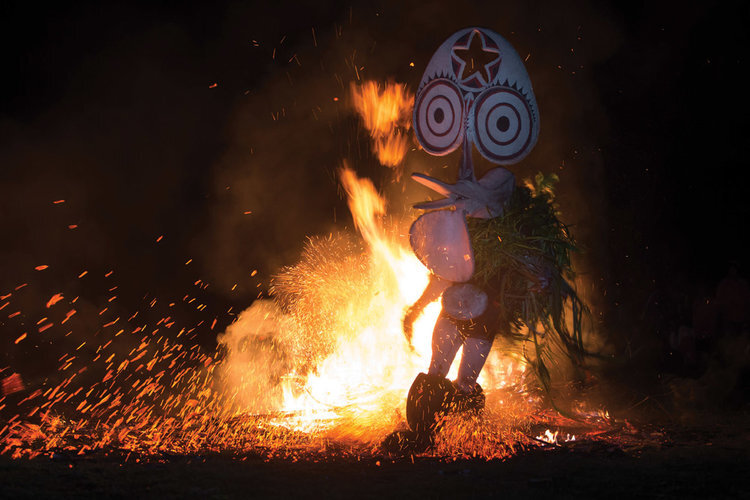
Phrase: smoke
(259, 353)
(301, 327)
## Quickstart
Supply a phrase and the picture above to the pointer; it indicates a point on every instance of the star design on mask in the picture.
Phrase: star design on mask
(476, 57)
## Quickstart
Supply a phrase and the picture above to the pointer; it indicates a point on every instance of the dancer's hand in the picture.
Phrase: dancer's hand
(411, 315)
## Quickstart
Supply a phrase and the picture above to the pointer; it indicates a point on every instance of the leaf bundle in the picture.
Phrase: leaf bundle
(522, 258)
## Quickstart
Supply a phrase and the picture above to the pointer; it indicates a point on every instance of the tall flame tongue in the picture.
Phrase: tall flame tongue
(366, 376)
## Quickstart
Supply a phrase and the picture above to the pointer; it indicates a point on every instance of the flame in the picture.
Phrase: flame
(391, 148)
(12, 383)
(324, 360)
(386, 115)
(555, 437)
(337, 320)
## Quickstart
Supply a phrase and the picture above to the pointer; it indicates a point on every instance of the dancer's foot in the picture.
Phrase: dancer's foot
(407, 442)
(468, 401)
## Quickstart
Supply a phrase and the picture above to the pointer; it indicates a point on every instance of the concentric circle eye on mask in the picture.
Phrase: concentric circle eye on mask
(438, 117)
(505, 129)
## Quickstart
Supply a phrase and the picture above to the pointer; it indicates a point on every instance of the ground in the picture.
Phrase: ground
(707, 457)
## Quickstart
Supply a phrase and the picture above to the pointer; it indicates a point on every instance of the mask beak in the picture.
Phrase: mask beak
(436, 185)
(481, 199)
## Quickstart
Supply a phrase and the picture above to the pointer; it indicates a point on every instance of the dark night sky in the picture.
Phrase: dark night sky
(109, 106)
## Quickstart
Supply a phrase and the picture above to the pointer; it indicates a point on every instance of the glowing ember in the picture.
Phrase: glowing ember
(11, 384)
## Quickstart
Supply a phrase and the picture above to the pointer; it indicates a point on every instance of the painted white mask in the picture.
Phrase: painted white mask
(474, 91)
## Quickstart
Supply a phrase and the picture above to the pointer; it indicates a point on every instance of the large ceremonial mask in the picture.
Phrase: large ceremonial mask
(475, 91)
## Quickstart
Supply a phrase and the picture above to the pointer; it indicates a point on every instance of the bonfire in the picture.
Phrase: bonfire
(321, 365)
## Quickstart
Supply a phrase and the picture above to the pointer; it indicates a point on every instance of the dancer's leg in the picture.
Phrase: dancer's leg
(472, 360)
(445, 343)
